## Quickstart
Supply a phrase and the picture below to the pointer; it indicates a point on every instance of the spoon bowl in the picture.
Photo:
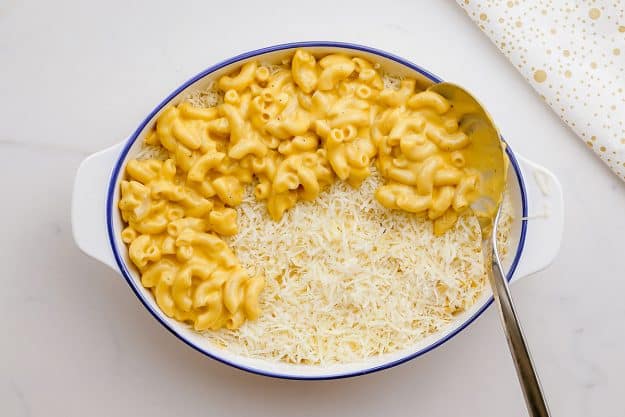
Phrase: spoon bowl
(485, 155)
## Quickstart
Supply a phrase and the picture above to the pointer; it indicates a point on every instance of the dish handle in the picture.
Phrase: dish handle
(545, 218)
(89, 205)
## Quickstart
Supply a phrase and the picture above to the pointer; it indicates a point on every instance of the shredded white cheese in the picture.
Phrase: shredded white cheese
(152, 152)
(208, 97)
(273, 68)
(348, 279)
(392, 82)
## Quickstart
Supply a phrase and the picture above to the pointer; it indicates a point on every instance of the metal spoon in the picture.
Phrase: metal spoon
(486, 157)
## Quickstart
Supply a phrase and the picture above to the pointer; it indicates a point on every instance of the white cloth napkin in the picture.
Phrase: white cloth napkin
(573, 54)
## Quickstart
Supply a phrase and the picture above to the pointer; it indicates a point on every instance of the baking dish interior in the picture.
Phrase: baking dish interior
(390, 64)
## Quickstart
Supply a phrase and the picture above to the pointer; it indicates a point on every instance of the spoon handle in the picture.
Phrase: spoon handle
(526, 372)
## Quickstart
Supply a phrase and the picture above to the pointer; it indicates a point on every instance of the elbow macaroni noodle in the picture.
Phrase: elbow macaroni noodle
(289, 132)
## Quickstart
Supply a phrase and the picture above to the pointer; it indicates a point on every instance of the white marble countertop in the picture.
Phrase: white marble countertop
(76, 77)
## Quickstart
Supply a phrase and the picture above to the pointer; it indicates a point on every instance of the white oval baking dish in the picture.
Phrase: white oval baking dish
(96, 223)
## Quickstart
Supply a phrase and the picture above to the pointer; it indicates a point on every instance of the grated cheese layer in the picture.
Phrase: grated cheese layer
(349, 279)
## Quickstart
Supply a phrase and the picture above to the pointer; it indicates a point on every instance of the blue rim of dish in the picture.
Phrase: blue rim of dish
(110, 206)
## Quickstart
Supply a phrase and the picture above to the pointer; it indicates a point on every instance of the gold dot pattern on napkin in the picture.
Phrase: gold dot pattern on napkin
(573, 54)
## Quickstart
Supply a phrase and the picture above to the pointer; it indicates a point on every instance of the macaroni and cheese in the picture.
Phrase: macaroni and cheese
(289, 131)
